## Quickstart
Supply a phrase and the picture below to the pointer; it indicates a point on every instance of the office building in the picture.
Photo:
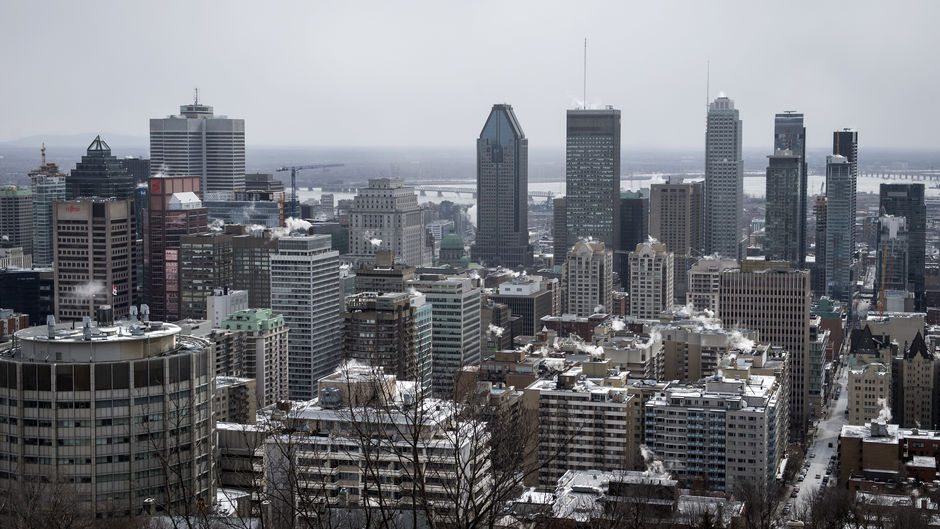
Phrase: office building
(704, 280)
(305, 289)
(592, 176)
(99, 174)
(386, 216)
(206, 263)
(675, 220)
(13, 257)
(695, 349)
(137, 168)
(251, 252)
(840, 228)
(530, 298)
(384, 275)
(502, 237)
(95, 251)
(249, 208)
(145, 382)
(265, 352)
(586, 420)
(785, 237)
(727, 433)
(773, 299)
(48, 185)
(588, 279)
(869, 392)
(199, 143)
(173, 210)
(382, 330)
(894, 260)
(29, 291)
(819, 264)
(790, 135)
(907, 200)
(559, 230)
(634, 229)
(455, 326)
(651, 280)
(222, 302)
(16, 218)
(724, 179)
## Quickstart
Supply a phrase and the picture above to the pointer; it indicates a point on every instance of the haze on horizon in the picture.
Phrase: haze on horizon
(426, 73)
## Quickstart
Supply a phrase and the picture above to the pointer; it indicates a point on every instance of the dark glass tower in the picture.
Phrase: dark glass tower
(840, 227)
(785, 210)
(907, 200)
(99, 175)
(502, 191)
(790, 134)
(634, 228)
(592, 176)
(845, 143)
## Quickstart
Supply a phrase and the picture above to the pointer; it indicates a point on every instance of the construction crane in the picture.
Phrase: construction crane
(293, 181)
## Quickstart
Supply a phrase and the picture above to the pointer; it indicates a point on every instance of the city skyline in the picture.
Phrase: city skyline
(334, 71)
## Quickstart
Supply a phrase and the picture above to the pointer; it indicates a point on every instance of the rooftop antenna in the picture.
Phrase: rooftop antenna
(196, 96)
(43, 151)
(584, 100)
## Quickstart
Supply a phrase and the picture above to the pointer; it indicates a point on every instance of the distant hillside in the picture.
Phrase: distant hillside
(116, 141)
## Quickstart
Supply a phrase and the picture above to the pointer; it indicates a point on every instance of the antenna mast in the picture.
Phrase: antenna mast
(196, 96)
(584, 100)
(43, 151)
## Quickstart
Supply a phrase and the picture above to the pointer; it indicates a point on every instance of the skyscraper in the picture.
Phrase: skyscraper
(676, 220)
(502, 192)
(305, 290)
(386, 216)
(99, 174)
(634, 229)
(174, 210)
(724, 179)
(907, 200)
(16, 218)
(252, 265)
(592, 176)
(790, 135)
(840, 228)
(651, 280)
(48, 185)
(559, 230)
(818, 277)
(785, 238)
(845, 143)
(199, 143)
(95, 251)
(773, 299)
(206, 263)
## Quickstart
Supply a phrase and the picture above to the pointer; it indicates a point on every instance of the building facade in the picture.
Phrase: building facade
(198, 143)
(840, 228)
(724, 179)
(48, 185)
(99, 174)
(634, 229)
(675, 219)
(305, 289)
(907, 200)
(529, 297)
(386, 216)
(790, 135)
(704, 281)
(16, 218)
(592, 176)
(651, 280)
(206, 263)
(502, 237)
(785, 238)
(265, 346)
(588, 279)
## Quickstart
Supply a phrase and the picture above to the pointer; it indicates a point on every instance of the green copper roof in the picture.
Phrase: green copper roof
(827, 308)
(452, 241)
(631, 194)
(253, 320)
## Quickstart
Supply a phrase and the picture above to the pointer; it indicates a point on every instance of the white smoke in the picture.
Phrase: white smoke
(89, 290)
(295, 224)
(252, 228)
(617, 325)
(216, 225)
(653, 240)
(884, 414)
(653, 466)
(600, 309)
(495, 330)
(739, 341)
(375, 242)
(474, 275)
(472, 214)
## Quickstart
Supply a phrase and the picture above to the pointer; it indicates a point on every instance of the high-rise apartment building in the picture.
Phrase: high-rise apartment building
(840, 228)
(199, 143)
(48, 185)
(785, 216)
(99, 174)
(206, 263)
(121, 418)
(16, 218)
(95, 252)
(265, 337)
(383, 330)
(455, 326)
(845, 143)
(173, 210)
(893, 255)
(724, 179)
(773, 299)
(651, 280)
(790, 135)
(305, 290)
(704, 281)
(592, 176)
(907, 200)
(559, 230)
(386, 216)
(634, 229)
(384, 275)
(502, 192)
(588, 279)
(675, 220)
(819, 264)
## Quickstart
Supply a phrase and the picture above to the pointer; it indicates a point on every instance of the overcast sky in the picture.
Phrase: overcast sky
(425, 73)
